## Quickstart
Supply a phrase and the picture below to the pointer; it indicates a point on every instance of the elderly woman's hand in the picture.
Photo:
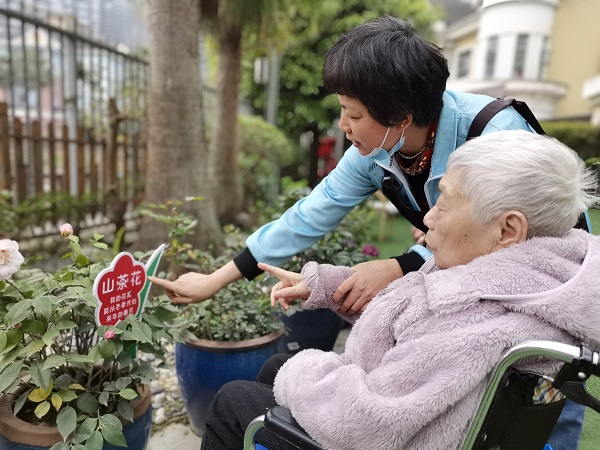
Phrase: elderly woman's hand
(365, 283)
(291, 286)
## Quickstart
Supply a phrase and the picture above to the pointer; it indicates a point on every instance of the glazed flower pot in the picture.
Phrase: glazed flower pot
(306, 328)
(203, 366)
(16, 434)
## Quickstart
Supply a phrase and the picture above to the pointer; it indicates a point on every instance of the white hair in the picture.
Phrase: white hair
(517, 170)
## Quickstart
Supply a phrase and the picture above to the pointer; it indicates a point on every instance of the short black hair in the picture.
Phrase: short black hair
(390, 69)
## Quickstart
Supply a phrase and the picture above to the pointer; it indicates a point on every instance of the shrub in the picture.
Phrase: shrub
(264, 150)
(581, 137)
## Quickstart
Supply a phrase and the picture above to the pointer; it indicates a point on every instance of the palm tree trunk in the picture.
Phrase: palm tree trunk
(177, 153)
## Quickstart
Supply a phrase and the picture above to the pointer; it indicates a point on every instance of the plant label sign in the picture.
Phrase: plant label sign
(122, 288)
(117, 289)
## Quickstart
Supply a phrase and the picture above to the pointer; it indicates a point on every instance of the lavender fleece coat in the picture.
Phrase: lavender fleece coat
(416, 361)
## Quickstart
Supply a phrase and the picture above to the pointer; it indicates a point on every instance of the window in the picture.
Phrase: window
(520, 54)
(464, 58)
(544, 58)
(490, 57)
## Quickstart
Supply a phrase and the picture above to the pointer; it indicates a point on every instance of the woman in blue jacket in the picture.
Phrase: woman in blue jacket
(403, 125)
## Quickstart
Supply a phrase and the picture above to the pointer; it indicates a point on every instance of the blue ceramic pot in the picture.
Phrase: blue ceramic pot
(204, 366)
(137, 433)
(316, 328)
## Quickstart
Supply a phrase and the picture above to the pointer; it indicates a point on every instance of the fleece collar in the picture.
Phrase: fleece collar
(523, 271)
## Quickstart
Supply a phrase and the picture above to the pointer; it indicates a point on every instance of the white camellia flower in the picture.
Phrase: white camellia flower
(10, 258)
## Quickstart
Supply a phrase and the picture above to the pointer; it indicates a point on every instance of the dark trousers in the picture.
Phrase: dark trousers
(236, 404)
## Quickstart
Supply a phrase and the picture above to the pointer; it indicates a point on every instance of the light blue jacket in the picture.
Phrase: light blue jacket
(357, 177)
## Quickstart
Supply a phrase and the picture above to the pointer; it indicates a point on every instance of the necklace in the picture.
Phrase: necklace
(402, 155)
(421, 159)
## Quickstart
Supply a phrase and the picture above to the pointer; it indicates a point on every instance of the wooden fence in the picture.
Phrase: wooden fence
(36, 165)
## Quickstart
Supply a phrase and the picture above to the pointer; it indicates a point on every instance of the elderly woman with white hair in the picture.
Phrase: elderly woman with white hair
(507, 267)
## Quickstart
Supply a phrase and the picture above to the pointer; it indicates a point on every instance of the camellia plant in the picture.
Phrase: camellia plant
(57, 365)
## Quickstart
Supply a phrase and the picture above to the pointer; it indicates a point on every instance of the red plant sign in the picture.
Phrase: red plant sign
(117, 289)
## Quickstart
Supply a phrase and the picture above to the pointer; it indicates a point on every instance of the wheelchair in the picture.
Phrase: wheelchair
(506, 419)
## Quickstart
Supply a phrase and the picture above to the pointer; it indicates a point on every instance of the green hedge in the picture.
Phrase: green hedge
(580, 136)
(264, 152)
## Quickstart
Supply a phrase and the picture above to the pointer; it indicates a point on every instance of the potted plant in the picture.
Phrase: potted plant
(235, 332)
(66, 382)
(343, 247)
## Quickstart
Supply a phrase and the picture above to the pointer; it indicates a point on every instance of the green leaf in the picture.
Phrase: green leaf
(40, 376)
(103, 398)
(79, 358)
(67, 395)
(98, 237)
(60, 446)
(95, 441)
(3, 340)
(88, 403)
(101, 245)
(84, 430)
(20, 402)
(124, 359)
(43, 305)
(34, 346)
(14, 337)
(10, 374)
(33, 326)
(50, 335)
(125, 410)
(63, 382)
(122, 383)
(10, 357)
(145, 374)
(82, 260)
(75, 247)
(66, 421)
(112, 430)
(94, 353)
(19, 312)
(152, 321)
(53, 361)
(142, 332)
(89, 299)
(65, 325)
(128, 394)
(107, 348)
(42, 409)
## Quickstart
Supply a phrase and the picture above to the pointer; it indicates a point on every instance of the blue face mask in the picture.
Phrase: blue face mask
(381, 154)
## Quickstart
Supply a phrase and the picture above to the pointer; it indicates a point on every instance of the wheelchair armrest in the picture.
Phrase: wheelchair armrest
(279, 420)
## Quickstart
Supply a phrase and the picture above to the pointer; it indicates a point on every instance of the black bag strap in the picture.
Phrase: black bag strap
(494, 107)
(389, 190)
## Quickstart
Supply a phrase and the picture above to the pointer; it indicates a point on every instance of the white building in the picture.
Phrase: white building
(544, 52)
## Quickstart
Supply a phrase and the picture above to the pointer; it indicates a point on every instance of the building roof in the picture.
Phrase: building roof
(456, 9)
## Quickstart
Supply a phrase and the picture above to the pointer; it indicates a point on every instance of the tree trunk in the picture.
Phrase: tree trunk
(177, 151)
(225, 139)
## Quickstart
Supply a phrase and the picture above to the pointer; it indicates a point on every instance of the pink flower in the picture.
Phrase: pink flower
(109, 334)
(370, 250)
(10, 258)
(66, 230)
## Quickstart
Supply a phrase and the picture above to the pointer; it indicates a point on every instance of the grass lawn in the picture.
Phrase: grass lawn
(398, 239)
